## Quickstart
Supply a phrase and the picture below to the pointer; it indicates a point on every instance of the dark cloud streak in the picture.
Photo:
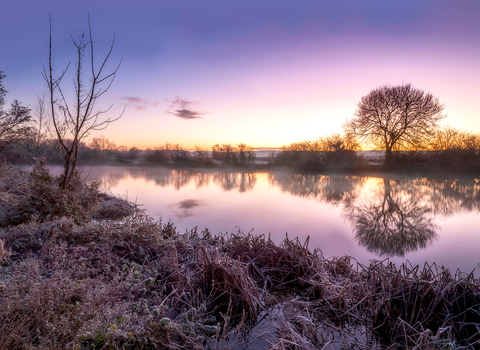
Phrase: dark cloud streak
(138, 102)
(182, 109)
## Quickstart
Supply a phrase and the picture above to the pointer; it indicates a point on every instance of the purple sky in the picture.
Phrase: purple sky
(265, 73)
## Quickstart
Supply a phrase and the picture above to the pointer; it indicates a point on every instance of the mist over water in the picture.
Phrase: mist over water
(400, 218)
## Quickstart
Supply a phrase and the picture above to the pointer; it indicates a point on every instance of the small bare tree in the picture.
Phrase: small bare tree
(14, 123)
(246, 154)
(395, 117)
(226, 154)
(42, 133)
(102, 144)
(3, 92)
(73, 122)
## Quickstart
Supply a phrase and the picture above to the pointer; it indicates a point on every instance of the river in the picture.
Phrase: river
(403, 219)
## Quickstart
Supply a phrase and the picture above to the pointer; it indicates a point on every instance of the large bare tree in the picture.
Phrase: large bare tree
(73, 121)
(395, 118)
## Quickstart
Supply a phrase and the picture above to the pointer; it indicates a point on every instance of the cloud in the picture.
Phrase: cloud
(183, 109)
(138, 102)
(187, 208)
(189, 203)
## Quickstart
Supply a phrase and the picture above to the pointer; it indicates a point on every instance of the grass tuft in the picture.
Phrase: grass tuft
(110, 277)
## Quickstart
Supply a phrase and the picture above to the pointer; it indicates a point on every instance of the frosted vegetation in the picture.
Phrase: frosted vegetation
(82, 270)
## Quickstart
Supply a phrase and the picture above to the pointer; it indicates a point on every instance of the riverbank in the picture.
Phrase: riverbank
(366, 168)
(89, 269)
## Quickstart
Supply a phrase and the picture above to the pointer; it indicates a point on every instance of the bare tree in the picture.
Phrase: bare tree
(395, 118)
(133, 153)
(454, 150)
(43, 137)
(102, 144)
(14, 123)
(224, 153)
(201, 156)
(73, 122)
(102, 148)
(3, 92)
(450, 138)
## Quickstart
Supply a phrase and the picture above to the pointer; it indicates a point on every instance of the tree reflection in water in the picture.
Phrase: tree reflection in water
(335, 189)
(393, 225)
(247, 182)
(164, 177)
(396, 218)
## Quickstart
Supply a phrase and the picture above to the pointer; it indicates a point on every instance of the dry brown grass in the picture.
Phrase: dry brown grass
(4, 254)
(37, 196)
(139, 284)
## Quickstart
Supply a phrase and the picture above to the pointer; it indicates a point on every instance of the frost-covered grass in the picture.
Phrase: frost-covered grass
(83, 270)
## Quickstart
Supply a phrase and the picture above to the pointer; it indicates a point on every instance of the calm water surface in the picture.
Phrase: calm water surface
(419, 219)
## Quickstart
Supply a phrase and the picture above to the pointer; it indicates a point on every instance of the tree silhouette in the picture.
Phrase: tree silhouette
(392, 224)
(14, 123)
(74, 121)
(395, 118)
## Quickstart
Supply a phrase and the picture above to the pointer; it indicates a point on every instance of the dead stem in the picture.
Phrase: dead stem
(70, 281)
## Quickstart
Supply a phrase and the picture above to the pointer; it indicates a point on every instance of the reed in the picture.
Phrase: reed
(135, 283)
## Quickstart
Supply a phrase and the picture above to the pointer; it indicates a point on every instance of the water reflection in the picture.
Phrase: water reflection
(187, 208)
(335, 189)
(163, 177)
(389, 216)
(233, 180)
(397, 216)
(452, 196)
(393, 222)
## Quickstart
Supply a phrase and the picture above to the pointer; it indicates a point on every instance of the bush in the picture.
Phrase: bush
(38, 197)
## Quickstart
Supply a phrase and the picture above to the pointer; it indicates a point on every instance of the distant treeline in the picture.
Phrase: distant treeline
(101, 150)
(449, 150)
(415, 143)
(331, 153)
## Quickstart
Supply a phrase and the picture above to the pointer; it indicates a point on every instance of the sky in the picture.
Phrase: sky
(264, 73)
